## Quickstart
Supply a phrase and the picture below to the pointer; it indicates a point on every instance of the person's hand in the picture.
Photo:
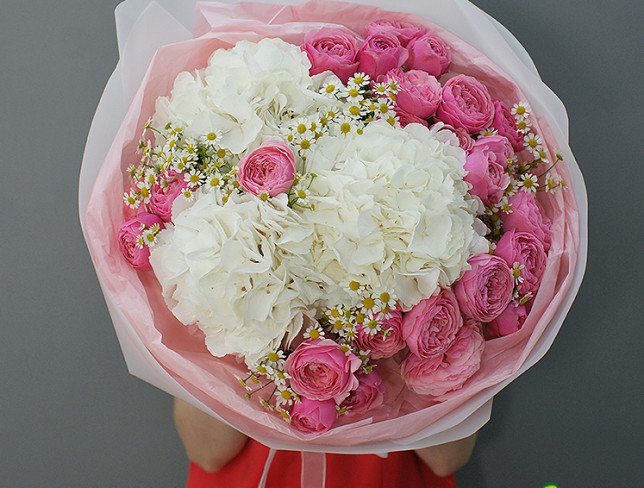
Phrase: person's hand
(209, 443)
(446, 459)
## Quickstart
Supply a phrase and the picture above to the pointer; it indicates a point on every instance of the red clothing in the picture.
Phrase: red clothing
(403, 469)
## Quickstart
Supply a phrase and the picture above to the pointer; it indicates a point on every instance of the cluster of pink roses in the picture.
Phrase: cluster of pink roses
(326, 379)
(415, 60)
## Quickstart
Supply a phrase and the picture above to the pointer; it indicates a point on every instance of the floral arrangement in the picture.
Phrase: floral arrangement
(325, 210)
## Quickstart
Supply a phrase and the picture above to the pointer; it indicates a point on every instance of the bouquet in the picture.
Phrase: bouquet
(335, 227)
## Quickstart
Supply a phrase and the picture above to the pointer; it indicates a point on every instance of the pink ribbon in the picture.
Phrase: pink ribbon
(313, 471)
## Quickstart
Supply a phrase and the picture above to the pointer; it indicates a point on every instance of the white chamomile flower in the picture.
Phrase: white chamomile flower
(300, 127)
(521, 110)
(388, 301)
(140, 241)
(490, 131)
(504, 205)
(144, 191)
(265, 369)
(280, 377)
(353, 93)
(188, 194)
(355, 110)
(302, 194)
(336, 312)
(385, 108)
(131, 199)
(212, 137)
(542, 155)
(331, 88)
(149, 237)
(285, 396)
(275, 357)
(523, 125)
(372, 326)
(381, 89)
(393, 87)
(314, 332)
(214, 181)
(348, 332)
(529, 182)
(516, 272)
(131, 170)
(345, 126)
(304, 143)
(194, 178)
(533, 143)
(552, 184)
(359, 79)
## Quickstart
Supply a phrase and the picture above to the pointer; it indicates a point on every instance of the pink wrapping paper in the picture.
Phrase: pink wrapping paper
(180, 351)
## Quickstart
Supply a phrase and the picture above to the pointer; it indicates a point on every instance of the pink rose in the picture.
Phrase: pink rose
(509, 322)
(368, 395)
(137, 256)
(498, 145)
(381, 53)
(485, 166)
(405, 119)
(313, 416)
(163, 197)
(320, 370)
(506, 125)
(404, 31)
(524, 248)
(466, 103)
(527, 216)
(430, 327)
(464, 139)
(438, 375)
(429, 53)
(268, 169)
(485, 290)
(332, 50)
(385, 343)
(419, 93)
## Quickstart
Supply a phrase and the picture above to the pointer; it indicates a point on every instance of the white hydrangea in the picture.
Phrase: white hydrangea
(392, 212)
(223, 267)
(245, 92)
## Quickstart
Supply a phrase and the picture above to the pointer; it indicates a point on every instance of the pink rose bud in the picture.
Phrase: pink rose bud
(527, 251)
(440, 374)
(138, 256)
(405, 119)
(368, 396)
(385, 343)
(506, 125)
(332, 50)
(527, 216)
(268, 169)
(466, 103)
(486, 289)
(404, 31)
(430, 327)
(429, 53)
(485, 166)
(320, 370)
(381, 53)
(510, 321)
(163, 197)
(313, 416)
(419, 93)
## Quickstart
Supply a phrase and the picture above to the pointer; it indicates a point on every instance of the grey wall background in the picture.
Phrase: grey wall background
(71, 416)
